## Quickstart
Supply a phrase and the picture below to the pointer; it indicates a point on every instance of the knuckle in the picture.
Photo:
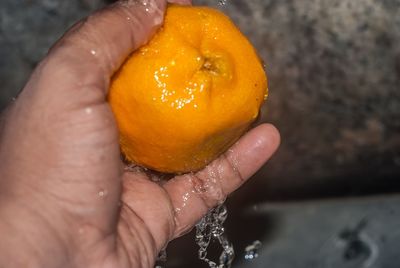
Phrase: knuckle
(233, 166)
(207, 186)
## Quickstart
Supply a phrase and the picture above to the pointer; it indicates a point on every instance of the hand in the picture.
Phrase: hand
(65, 199)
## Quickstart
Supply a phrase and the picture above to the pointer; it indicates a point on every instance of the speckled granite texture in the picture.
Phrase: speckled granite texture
(334, 74)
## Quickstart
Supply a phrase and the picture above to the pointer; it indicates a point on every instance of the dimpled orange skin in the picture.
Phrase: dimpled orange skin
(184, 98)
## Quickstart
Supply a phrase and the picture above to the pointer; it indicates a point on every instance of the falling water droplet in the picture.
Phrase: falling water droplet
(161, 259)
(222, 2)
(251, 251)
(102, 193)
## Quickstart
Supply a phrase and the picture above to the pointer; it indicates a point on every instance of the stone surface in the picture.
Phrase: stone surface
(27, 30)
(337, 233)
(334, 79)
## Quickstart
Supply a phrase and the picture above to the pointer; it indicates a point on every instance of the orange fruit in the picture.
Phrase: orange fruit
(189, 94)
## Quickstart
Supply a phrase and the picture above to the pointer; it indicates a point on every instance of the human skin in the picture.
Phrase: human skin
(66, 199)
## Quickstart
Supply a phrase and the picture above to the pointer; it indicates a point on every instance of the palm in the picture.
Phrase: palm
(153, 212)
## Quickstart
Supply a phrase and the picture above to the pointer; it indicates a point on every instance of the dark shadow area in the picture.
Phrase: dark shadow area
(255, 192)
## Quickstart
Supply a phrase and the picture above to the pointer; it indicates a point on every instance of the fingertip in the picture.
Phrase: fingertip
(269, 136)
(262, 140)
(254, 149)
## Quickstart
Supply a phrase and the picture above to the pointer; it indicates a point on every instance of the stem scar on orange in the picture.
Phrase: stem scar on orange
(184, 98)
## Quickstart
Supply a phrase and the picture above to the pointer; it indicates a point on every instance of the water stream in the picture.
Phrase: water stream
(209, 230)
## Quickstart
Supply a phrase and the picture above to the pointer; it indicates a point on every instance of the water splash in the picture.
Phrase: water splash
(222, 2)
(161, 259)
(209, 229)
(102, 193)
(251, 251)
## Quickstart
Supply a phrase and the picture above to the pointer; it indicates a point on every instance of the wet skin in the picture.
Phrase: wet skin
(65, 198)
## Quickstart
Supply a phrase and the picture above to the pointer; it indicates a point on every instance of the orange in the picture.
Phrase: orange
(184, 98)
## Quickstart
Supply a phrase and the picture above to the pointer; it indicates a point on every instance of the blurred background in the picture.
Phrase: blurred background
(328, 198)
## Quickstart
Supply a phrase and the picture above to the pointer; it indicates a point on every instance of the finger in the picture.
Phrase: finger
(193, 194)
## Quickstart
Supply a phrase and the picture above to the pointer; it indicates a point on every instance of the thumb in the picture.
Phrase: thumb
(78, 68)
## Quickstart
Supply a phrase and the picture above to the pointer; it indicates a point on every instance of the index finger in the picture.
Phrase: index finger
(193, 194)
